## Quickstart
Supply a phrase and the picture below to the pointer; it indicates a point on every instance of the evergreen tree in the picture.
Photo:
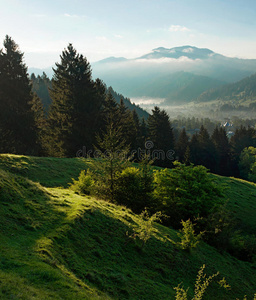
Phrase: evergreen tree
(40, 124)
(17, 127)
(181, 145)
(161, 135)
(206, 155)
(41, 86)
(222, 151)
(76, 105)
(243, 137)
(143, 132)
(194, 150)
(109, 112)
(112, 151)
(136, 137)
(127, 124)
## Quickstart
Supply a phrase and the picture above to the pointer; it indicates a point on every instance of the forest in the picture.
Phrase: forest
(82, 150)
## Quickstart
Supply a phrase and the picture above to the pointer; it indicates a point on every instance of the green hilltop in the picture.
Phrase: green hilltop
(56, 244)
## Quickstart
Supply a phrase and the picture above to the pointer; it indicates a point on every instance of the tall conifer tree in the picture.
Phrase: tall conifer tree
(76, 105)
(181, 145)
(17, 127)
(222, 151)
(161, 134)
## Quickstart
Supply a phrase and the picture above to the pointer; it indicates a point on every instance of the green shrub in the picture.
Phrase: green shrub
(134, 186)
(202, 283)
(144, 230)
(186, 192)
(84, 184)
(188, 238)
(243, 246)
(247, 164)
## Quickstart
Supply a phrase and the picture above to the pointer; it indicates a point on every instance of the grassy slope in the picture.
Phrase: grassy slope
(58, 245)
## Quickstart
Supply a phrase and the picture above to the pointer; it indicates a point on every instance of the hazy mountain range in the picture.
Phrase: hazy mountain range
(178, 75)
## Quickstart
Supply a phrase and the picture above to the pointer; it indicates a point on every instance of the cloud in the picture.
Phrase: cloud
(147, 100)
(175, 28)
(188, 50)
(166, 60)
(118, 36)
(101, 38)
(71, 16)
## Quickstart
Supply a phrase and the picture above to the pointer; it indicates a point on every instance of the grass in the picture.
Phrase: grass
(56, 244)
(241, 201)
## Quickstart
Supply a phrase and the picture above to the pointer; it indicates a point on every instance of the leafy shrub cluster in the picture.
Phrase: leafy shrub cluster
(182, 193)
(85, 183)
(188, 238)
(186, 192)
(201, 284)
(247, 164)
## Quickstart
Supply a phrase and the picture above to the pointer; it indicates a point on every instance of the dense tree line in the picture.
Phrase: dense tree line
(76, 109)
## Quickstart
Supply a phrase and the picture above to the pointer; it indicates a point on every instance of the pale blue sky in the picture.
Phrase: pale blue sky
(103, 28)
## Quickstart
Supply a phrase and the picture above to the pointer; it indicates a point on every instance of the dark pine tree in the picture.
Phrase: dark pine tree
(160, 135)
(127, 124)
(181, 146)
(17, 126)
(206, 155)
(243, 137)
(222, 151)
(76, 105)
(109, 112)
(41, 86)
(194, 150)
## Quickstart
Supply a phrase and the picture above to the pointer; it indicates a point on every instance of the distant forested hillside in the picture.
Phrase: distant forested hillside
(42, 84)
(244, 89)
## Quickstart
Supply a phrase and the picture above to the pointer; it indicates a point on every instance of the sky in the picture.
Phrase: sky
(127, 28)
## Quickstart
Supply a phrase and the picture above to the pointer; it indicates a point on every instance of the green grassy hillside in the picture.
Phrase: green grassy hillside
(55, 244)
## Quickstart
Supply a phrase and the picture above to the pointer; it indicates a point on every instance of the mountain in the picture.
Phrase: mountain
(242, 90)
(179, 87)
(177, 52)
(164, 73)
(178, 75)
(42, 84)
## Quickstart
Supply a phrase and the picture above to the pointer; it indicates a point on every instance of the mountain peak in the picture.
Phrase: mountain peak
(177, 52)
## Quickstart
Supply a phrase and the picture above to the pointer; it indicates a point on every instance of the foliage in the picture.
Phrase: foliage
(145, 228)
(75, 107)
(202, 283)
(56, 244)
(129, 189)
(247, 164)
(160, 133)
(186, 192)
(41, 86)
(188, 237)
(134, 187)
(84, 184)
(17, 124)
(112, 158)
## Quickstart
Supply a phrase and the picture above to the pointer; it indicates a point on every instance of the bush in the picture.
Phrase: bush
(186, 192)
(84, 184)
(188, 238)
(133, 189)
(243, 246)
(143, 231)
(247, 164)
(202, 283)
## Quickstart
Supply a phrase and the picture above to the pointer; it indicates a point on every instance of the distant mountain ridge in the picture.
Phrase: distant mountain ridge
(178, 74)
(244, 89)
(190, 52)
(179, 87)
